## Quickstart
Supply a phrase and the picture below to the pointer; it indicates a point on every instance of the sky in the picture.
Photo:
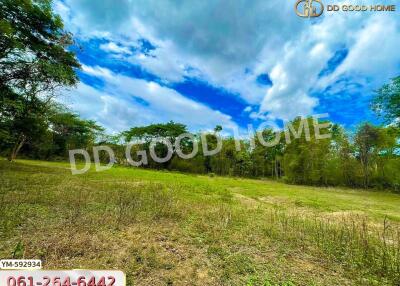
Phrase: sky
(230, 63)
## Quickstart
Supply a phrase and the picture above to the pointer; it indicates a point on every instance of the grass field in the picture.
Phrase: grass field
(165, 228)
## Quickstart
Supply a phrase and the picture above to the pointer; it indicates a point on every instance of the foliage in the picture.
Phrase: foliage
(71, 132)
(363, 160)
(387, 102)
(146, 134)
(57, 131)
(34, 64)
(168, 130)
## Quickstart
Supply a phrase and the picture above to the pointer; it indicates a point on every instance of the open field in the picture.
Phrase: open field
(164, 228)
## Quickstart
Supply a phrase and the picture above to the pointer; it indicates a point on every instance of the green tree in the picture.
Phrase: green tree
(169, 130)
(387, 157)
(19, 127)
(342, 166)
(34, 64)
(146, 134)
(366, 143)
(306, 157)
(267, 160)
(387, 102)
(71, 132)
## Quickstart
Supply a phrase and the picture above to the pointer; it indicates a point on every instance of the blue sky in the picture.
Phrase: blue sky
(230, 63)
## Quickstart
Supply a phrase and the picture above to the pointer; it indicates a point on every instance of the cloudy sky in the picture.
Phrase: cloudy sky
(231, 63)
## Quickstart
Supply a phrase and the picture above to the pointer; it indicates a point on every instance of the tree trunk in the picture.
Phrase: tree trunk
(272, 170)
(18, 145)
(366, 177)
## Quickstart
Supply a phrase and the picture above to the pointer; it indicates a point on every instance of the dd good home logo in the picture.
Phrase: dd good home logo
(309, 8)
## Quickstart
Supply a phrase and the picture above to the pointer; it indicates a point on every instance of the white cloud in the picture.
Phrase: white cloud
(371, 41)
(248, 109)
(61, 9)
(114, 48)
(228, 44)
(374, 52)
(195, 38)
(98, 72)
(125, 102)
(161, 62)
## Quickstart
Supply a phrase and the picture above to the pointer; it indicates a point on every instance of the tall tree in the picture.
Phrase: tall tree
(146, 134)
(267, 160)
(343, 165)
(34, 63)
(306, 157)
(366, 142)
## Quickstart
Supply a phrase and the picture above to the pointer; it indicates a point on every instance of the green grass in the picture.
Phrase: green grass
(166, 228)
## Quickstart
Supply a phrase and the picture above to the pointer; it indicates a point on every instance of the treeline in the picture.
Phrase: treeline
(369, 158)
(35, 64)
(47, 136)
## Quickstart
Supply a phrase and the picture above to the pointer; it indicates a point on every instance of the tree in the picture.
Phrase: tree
(34, 64)
(169, 130)
(387, 151)
(218, 128)
(71, 132)
(343, 165)
(387, 102)
(21, 120)
(267, 160)
(305, 159)
(366, 142)
(146, 134)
